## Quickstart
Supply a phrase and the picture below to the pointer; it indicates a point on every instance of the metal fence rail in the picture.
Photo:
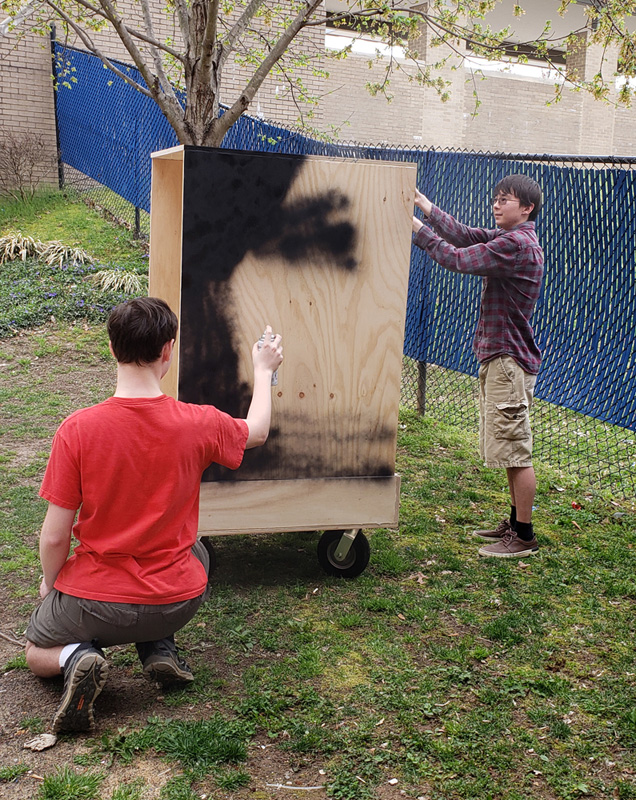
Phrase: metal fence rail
(585, 416)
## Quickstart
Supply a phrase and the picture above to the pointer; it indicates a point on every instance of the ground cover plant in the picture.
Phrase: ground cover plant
(60, 262)
(433, 675)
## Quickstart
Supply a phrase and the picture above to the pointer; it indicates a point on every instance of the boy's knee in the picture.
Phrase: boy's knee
(30, 654)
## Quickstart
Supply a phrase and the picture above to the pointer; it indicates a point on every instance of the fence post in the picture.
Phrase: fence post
(421, 387)
(60, 164)
(137, 223)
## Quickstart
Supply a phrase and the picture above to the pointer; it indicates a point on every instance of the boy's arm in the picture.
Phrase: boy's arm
(266, 358)
(55, 544)
(496, 257)
(423, 203)
(447, 226)
(455, 232)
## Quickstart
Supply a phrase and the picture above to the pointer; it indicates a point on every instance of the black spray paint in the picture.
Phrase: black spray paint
(234, 203)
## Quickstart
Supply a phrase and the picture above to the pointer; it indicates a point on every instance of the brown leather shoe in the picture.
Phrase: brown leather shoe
(496, 534)
(510, 546)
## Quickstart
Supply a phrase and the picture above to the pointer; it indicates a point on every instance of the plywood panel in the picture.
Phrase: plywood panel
(296, 505)
(319, 249)
(166, 217)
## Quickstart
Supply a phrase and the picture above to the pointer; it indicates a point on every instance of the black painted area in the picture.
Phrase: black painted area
(234, 203)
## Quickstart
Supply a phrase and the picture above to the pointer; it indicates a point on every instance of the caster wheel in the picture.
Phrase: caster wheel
(353, 563)
(205, 541)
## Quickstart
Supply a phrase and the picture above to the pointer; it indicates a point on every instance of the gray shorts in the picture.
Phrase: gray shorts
(63, 619)
(505, 398)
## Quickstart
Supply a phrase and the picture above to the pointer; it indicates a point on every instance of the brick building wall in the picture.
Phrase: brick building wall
(351, 113)
(514, 117)
(513, 114)
(488, 110)
(625, 131)
(26, 91)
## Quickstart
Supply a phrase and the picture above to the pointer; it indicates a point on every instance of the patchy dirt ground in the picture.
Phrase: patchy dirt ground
(80, 376)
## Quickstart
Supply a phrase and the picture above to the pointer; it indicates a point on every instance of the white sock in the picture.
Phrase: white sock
(67, 651)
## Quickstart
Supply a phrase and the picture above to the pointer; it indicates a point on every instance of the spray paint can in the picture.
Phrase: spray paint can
(275, 373)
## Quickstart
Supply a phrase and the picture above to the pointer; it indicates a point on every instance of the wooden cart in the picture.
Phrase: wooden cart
(318, 248)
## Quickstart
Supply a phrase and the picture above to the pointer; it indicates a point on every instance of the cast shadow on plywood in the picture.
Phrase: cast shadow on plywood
(235, 204)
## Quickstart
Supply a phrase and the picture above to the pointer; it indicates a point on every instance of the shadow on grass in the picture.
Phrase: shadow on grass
(276, 559)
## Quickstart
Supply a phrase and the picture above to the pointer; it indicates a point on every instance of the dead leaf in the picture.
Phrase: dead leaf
(41, 742)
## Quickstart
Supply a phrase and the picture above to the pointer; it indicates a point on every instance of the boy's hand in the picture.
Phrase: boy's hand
(417, 224)
(423, 203)
(267, 353)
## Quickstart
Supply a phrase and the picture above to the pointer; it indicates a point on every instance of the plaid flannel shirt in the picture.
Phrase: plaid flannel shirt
(511, 266)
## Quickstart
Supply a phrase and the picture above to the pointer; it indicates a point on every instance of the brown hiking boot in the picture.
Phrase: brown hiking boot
(84, 677)
(510, 546)
(162, 662)
(496, 534)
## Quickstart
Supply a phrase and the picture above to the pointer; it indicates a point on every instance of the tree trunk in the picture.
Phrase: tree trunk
(202, 86)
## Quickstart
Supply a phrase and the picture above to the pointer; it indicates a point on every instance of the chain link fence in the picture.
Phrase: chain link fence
(584, 419)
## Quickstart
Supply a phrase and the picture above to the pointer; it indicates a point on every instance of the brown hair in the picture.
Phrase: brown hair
(525, 189)
(139, 328)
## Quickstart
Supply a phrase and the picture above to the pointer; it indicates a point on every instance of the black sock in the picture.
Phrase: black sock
(524, 530)
(513, 516)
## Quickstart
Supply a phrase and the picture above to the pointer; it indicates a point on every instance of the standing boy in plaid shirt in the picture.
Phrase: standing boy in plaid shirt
(510, 261)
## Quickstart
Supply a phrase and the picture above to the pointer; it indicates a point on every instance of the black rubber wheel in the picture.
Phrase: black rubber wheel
(355, 562)
(205, 541)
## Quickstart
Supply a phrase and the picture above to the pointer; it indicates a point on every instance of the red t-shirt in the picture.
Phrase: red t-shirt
(133, 468)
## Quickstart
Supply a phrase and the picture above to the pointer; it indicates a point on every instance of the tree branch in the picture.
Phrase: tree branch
(152, 81)
(169, 105)
(208, 45)
(184, 22)
(434, 22)
(277, 51)
(92, 47)
(238, 29)
(12, 640)
(136, 34)
(154, 51)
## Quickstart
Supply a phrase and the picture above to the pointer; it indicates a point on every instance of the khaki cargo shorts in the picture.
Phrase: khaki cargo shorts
(63, 619)
(505, 399)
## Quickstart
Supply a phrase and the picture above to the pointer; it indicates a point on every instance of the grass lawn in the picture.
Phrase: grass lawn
(433, 675)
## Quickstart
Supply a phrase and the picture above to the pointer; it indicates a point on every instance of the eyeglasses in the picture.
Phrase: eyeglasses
(503, 200)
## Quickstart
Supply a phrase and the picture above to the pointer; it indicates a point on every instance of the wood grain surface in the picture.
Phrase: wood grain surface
(319, 248)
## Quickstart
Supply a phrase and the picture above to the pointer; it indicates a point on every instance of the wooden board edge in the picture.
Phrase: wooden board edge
(249, 507)
(166, 234)
(175, 153)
